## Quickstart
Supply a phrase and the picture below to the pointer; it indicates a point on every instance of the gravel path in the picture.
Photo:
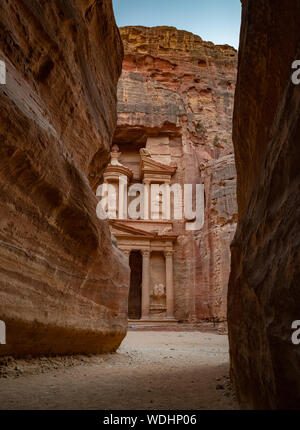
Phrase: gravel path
(151, 370)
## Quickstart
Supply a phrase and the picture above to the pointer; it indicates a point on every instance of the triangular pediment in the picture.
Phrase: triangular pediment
(122, 227)
(148, 164)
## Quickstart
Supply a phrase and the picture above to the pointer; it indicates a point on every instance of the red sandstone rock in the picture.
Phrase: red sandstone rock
(263, 295)
(63, 285)
(178, 86)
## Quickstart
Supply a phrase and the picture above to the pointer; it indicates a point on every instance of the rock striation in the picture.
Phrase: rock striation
(63, 284)
(175, 97)
(263, 298)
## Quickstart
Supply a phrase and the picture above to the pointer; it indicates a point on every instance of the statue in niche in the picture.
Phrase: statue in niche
(115, 155)
(158, 291)
(158, 294)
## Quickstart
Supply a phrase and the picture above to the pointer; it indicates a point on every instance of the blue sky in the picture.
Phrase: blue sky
(215, 20)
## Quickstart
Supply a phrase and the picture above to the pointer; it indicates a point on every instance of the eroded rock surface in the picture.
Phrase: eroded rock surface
(63, 285)
(264, 283)
(176, 97)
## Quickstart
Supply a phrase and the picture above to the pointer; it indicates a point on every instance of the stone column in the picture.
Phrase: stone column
(126, 252)
(122, 192)
(147, 207)
(169, 284)
(146, 285)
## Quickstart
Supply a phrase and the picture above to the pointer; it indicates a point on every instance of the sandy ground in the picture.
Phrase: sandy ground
(151, 370)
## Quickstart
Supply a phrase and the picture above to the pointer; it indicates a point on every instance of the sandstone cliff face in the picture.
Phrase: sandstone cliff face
(264, 283)
(63, 285)
(176, 85)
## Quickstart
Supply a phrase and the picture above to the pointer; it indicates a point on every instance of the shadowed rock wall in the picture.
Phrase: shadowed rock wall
(63, 285)
(264, 284)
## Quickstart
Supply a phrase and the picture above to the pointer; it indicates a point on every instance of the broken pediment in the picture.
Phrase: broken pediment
(154, 170)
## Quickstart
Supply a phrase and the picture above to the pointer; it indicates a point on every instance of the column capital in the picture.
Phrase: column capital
(146, 181)
(126, 251)
(169, 253)
(146, 252)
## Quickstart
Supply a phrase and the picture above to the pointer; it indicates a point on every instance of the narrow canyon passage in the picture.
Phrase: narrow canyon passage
(151, 370)
(85, 103)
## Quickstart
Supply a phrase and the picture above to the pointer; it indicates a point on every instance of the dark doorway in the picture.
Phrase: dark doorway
(135, 291)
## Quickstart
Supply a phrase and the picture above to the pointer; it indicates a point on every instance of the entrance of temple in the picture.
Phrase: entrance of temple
(135, 291)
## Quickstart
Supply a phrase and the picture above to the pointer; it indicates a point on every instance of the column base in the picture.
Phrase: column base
(170, 319)
(153, 321)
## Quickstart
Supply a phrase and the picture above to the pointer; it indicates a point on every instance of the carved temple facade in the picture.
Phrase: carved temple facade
(147, 243)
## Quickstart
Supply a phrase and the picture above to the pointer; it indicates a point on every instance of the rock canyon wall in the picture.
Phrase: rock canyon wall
(63, 284)
(175, 97)
(263, 298)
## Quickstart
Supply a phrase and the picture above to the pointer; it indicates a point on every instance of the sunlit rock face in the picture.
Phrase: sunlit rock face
(63, 285)
(175, 96)
(264, 296)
